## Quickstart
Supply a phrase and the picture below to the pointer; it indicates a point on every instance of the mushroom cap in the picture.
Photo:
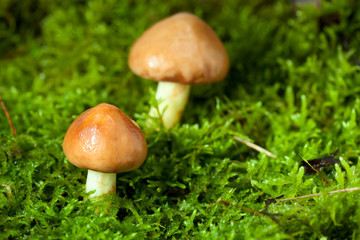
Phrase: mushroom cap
(181, 48)
(104, 139)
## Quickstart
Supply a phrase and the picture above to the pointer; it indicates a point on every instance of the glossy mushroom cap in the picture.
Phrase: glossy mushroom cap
(181, 48)
(104, 139)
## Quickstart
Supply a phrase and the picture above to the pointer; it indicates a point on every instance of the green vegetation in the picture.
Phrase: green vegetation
(293, 88)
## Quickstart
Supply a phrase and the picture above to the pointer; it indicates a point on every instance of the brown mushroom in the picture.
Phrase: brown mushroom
(105, 141)
(178, 51)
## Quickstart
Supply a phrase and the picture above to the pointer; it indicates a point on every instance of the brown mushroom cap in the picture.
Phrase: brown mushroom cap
(181, 48)
(104, 139)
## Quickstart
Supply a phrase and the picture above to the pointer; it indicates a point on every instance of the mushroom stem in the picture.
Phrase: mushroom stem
(101, 182)
(173, 98)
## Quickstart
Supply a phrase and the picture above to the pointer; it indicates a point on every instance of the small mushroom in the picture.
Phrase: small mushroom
(105, 141)
(178, 51)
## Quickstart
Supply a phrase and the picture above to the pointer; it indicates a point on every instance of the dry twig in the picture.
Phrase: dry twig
(319, 194)
(327, 183)
(256, 147)
(257, 212)
(319, 163)
(8, 117)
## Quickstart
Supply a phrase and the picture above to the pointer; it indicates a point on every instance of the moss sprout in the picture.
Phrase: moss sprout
(293, 89)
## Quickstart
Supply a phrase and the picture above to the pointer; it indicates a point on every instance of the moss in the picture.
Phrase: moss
(293, 88)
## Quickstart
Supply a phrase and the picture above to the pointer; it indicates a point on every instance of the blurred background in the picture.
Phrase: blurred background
(67, 46)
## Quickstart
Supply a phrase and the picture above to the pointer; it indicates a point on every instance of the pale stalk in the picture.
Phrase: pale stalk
(103, 183)
(173, 98)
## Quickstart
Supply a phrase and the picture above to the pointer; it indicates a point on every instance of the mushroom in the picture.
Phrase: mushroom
(105, 141)
(178, 51)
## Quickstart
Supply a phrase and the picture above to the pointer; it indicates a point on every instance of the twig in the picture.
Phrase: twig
(319, 163)
(256, 147)
(257, 212)
(319, 194)
(8, 117)
(327, 183)
(226, 203)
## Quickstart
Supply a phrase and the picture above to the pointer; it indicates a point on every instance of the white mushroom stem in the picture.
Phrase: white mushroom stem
(173, 98)
(103, 183)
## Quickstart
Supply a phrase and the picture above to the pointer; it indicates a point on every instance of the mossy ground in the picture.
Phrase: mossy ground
(293, 88)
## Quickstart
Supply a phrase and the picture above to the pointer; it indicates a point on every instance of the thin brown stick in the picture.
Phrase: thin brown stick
(257, 212)
(319, 194)
(8, 117)
(226, 203)
(256, 147)
(327, 183)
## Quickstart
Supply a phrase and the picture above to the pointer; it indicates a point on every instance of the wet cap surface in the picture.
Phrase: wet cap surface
(104, 139)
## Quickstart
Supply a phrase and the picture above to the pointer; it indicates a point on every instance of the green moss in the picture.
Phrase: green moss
(293, 88)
